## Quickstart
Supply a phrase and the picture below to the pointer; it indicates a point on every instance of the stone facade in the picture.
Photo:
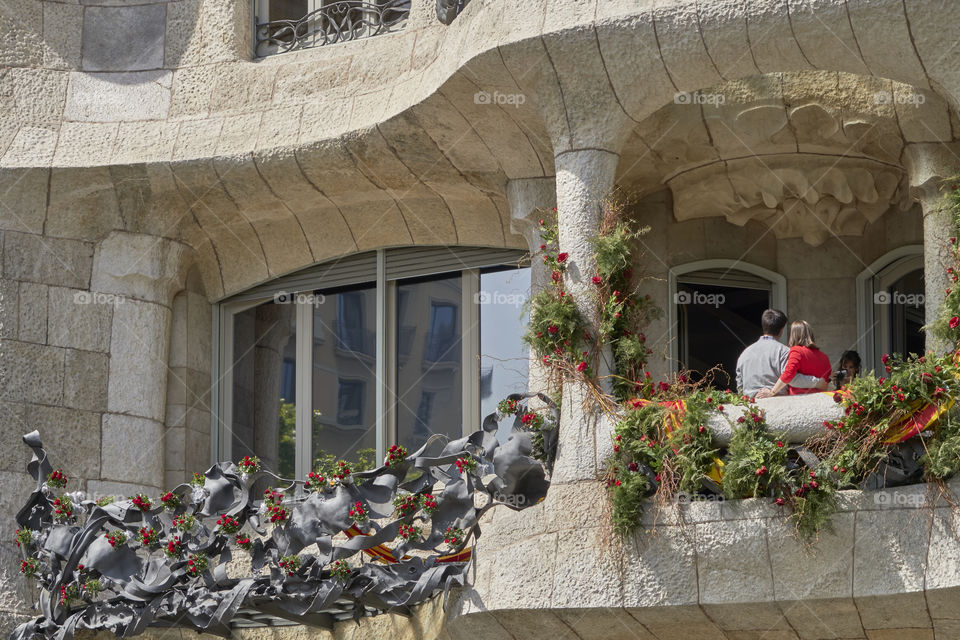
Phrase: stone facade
(150, 167)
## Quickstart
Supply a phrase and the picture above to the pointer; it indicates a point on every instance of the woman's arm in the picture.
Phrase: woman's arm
(792, 368)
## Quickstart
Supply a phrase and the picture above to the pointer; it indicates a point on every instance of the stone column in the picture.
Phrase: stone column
(141, 273)
(928, 165)
(584, 178)
(529, 199)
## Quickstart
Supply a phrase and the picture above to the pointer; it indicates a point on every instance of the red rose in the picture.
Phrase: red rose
(562, 257)
(597, 280)
(582, 366)
(552, 329)
(885, 358)
(954, 322)
(664, 386)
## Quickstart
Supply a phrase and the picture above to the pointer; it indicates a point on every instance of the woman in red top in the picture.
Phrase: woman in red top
(805, 357)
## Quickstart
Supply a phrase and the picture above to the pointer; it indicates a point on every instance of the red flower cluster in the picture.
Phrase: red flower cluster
(396, 453)
(62, 507)
(342, 470)
(147, 536)
(290, 564)
(170, 500)
(277, 514)
(406, 505)
(249, 464)
(243, 541)
(116, 538)
(429, 503)
(29, 567)
(453, 536)
(228, 524)
(57, 479)
(358, 513)
(314, 481)
(142, 502)
(174, 547)
(408, 532)
(196, 564)
(340, 570)
(465, 464)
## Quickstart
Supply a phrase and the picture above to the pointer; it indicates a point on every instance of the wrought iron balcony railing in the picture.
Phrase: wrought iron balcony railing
(338, 21)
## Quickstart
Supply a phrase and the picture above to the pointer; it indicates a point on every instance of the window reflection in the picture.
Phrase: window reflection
(428, 370)
(264, 388)
(504, 356)
(344, 376)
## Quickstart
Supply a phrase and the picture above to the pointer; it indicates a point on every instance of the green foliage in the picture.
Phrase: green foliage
(323, 463)
(946, 326)
(756, 461)
(627, 500)
(556, 327)
(942, 460)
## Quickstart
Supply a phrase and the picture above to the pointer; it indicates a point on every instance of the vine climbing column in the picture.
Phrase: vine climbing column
(584, 178)
(929, 165)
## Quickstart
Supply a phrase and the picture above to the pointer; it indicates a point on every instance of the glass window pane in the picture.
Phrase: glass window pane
(344, 377)
(428, 393)
(288, 9)
(905, 306)
(504, 356)
(264, 387)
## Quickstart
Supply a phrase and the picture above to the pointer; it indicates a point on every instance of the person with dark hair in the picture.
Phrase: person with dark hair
(760, 365)
(805, 358)
(847, 369)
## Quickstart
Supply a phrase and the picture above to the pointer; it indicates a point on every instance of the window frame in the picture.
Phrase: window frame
(874, 329)
(778, 293)
(471, 265)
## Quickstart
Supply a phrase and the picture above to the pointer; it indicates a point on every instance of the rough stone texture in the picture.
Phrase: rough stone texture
(138, 360)
(128, 451)
(143, 95)
(124, 38)
(138, 141)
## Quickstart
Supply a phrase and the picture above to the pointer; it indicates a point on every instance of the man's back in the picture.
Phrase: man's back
(760, 365)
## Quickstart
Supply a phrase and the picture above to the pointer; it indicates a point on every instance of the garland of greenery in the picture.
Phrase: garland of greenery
(663, 445)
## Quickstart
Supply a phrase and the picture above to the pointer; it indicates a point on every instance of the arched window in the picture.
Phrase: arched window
(714, 313)
(347, 357)
(890, 305)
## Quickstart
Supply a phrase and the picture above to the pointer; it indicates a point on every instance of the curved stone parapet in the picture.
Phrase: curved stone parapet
(887, 567)
(798, 418)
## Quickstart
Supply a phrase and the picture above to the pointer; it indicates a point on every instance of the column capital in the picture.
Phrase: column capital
(527, 197)
(928, 164)
(140, 266)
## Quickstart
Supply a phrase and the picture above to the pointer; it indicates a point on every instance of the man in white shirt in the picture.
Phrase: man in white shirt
(760, 365)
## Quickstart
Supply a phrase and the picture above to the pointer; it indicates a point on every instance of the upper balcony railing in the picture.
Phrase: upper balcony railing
(331, 23)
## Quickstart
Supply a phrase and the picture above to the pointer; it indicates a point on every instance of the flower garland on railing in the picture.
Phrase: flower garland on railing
(129, 564)
(663, 445)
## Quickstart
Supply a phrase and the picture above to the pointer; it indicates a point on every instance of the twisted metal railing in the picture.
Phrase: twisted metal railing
(448, 10)
(128, 565)
(338, 21)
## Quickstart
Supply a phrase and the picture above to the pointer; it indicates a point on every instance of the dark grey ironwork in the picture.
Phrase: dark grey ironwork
(338, 21)
(448, 10)
(142, 587)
